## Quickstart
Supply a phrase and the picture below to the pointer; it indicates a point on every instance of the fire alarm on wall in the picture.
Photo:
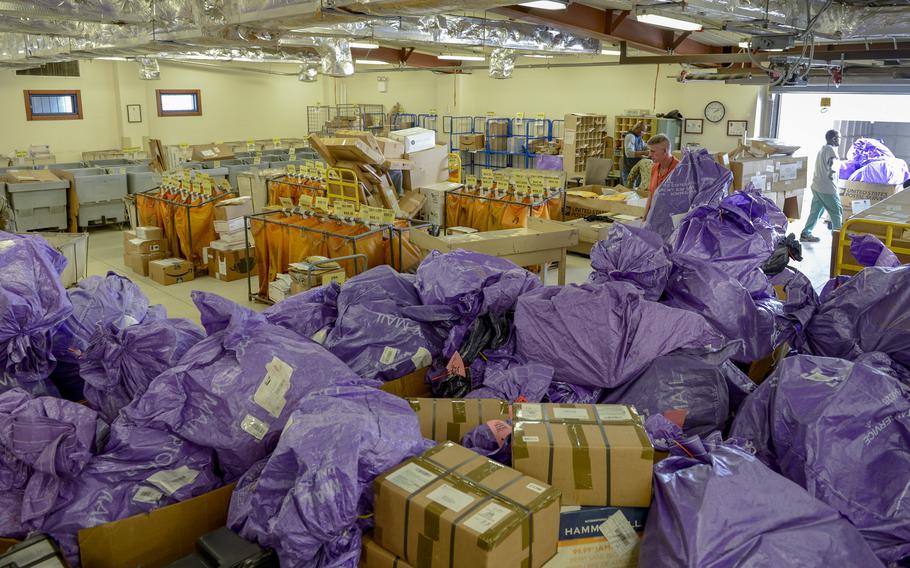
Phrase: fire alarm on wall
(383, 83)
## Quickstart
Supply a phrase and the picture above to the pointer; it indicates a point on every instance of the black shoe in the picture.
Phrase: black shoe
(809, 238)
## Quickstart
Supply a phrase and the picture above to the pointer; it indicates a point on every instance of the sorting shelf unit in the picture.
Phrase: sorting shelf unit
(671, 127)
(584, 137)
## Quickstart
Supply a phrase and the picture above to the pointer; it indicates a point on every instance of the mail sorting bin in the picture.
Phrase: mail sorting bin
(99, 196)
(38, 204)
(138, 178)
(63, 166)
(111, 162)
(227, 169)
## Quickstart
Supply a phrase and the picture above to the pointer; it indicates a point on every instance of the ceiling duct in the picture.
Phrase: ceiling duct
(502, 63)
(336, 57)
(309, 71)
(454, 31)
(148, 69)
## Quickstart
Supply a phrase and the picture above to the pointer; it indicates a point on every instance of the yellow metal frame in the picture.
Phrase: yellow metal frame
(342, 179)
(455, 167)
(889, 228)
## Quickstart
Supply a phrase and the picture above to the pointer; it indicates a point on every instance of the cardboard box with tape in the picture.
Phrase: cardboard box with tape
(452, 508)
(314, 271)
(139, 263)
(374, 556)
(169, 271)
(594, 454)
(778, 173)
(449, 419)
(147, 233)
(866, 194)
(414, 139)
(230, 265)
(235, 208)
(471, 142)
(212, 152)
(599, 536)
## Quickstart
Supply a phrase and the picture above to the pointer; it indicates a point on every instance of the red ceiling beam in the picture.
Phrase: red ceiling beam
(607, 26)
(406, 56)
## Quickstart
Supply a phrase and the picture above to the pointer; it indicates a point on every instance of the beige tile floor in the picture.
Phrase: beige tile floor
(106, 254)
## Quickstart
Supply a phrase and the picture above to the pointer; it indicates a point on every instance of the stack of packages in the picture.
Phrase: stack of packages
(563, 422)
(228, 257)
(141, 246)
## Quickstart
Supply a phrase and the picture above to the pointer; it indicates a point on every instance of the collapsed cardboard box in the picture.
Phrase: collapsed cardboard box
(452, 508)
(212, 152)
(411, 204)
(471, 142)
(412, 385)
(352, 150)
(577, 206)
(229, 226)
(362, 135)
(594, 454)
(18, 176)
(235, 208)
(449, 419)
(169, 271)
(398, 164)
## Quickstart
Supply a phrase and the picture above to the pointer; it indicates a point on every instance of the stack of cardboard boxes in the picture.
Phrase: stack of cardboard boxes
(143, 245)
(576, 496)
(228, 258)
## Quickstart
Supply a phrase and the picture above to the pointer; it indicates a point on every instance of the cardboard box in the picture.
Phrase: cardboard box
(589, 232)
(352, 150)
(594, 454)
(391, 148)
(234, 239)
(18, 176)
(434, 208)
(398, 164)
(449, 419)
(409, 386)
(212, 152)
(233, 208)
(471, 142)
(415, 139)
(873, 192)
(578, 207)
(155, 539)
(537, 242)
(149, 233)
(430, 166)
(453, 508)
(139, 263)
(169, 271)
(233, 264)
(599, 536)
(778, 173)
(304, 275)
(497, 136)
(140, 246)
(375, 556)
(229, 226)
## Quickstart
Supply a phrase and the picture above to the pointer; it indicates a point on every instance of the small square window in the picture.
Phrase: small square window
(53, 105)
(179, 102)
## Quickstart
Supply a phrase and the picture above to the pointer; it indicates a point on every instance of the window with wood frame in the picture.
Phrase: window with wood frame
(179, 102)
(53, 105)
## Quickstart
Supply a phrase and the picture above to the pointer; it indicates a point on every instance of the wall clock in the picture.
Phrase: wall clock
(715, 111)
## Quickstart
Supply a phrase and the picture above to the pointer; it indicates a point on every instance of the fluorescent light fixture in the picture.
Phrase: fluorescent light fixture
(360, 45)
(665, 22)
(744, 44)
(777, 50)
(610, 52)
(370, 62)
(536, 56)
(462, 57)
(112, 58)
(546, 5)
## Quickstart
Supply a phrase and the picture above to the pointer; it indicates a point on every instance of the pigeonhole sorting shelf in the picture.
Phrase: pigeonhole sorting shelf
(37, 198)
(96, 196)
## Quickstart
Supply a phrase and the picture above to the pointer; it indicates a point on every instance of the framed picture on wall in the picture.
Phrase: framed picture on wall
(694, 126)
(737, 127)
(134, 113)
